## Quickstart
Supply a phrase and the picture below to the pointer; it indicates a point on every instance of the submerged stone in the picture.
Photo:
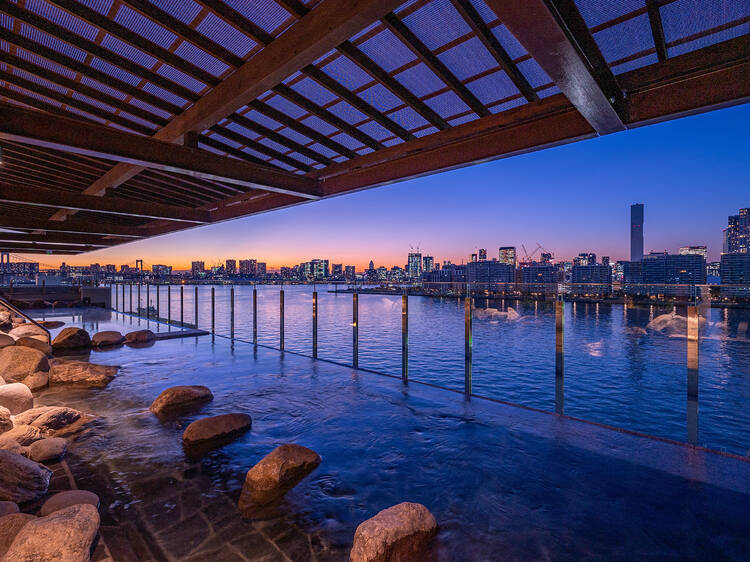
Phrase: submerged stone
(180, 398)
(401, 532)
(48, 449)
(63, 500)
(275, 474)
(81, 372)
(22, 434)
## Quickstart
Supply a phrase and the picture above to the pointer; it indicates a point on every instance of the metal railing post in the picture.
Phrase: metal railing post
(213, 311)
(231, 313)
(281, 319)
(315, 325)
(559, 355)
(130, 292)
(255, 316)
(169, 304)
(158, 304)
(182, 306)
(148, 300)
(117, 299)
(123, 297)
(196, 306)
(405, 338)
(468, 345)
(355, 330)
(693, 319)
(138, 308)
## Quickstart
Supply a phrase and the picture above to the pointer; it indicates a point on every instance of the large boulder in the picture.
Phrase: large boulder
(107, 339)
(48, 449)
(63, 536)
(22, 434)
(71, 338)
(81, 372)
(179, 399)
(16, 397)
(48, 418)
(37, 381)
(6, 424)
(35, 343)
(401, 532)
(62, 500)
(6, 341)
(275, 474)
(22, 480)
(28, 330)
(18, 362)
(140, 336)
(10, 525)
(209, 433)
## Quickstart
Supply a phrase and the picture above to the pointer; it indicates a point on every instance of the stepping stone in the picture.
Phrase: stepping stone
(81, 372)
(402, 532)
(275, 474)
(49, 449)
(206, 434)
(107, 339)
(61, 500)
(179, 399)
(140, 336)
(71, 338)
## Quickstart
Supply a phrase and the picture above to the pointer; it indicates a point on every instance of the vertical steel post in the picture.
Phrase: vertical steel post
(169, 304)
(138, 308)
(44, 289)
(281, 319)
(405, 338)
(196, 306)
(130, 292)
(117, 299)
(693, 318)
(559, 355)
(468, 345)
(355, 330)
(158, 305)
(182, 306)
(255, 316)
(213, 311)
(231, 313)
(315, 325)
(123, 297)
(148, 300)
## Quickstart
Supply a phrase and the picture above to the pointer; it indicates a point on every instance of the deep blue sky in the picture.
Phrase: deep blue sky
(690, 173)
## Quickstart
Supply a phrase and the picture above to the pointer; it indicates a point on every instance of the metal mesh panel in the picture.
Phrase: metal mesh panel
(62, 18)
(380, 98)
(625, 39)
(636, 63)
(319, 125)
(533, 73)
(184, 10)
(509, 42)
(228, 36)
(295, 136)
(347, 141)
(164, 94)
(264, 120)
(499, 108)
(240, 130)
(314, 91)
(53, 43)
(126, 50)
(596, 12)
(179, 77)
(150, 108)
(40, 81)
(145, 27)
(447, 104)
(468, 59)
(96, 103)
(266, 14)
(493, 87)
(684, 18)
(464, 119)
(707, 40)
(201, 59)
(44, 63)
(324, 150)
(387, 51)
(119, 73)
(484, 10)
(420, 80)
(437, 23)
(346, 73)
(101, 6)
(408, 118)
(347, 112)
(425, 132)
(375, 130)
(285, 106)
(116, 94)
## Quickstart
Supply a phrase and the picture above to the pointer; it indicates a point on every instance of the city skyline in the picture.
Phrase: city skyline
(555, 208)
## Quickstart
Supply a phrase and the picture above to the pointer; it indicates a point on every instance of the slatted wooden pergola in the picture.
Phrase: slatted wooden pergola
(124, 119)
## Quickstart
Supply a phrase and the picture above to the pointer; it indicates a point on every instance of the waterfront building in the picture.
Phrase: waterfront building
(337, 270)
(632, 271)
(428, 263)
(735, 268)
(474, 257)
(592, 273)
(507, 254)
(605, 260)
(546, 257)
(230, 267)
(490, 272)
(585, 259)
(636, 232)
(260, 269)
(414, 265)
(482, 254)
(539, 273)
(197, 268)
(317, 269)
(737, 233)
(664, 268)
(248, 267)
(350, 272)
(160, 270)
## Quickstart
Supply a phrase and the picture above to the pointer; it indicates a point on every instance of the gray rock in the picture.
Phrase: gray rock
(180, 398)
(35, 343)
(64, 536)
(18, 362)
(82, 373)
(48, 449)
(71, 338)
(275, 474)
(63, 500)
(10, 525)
(22, 480)
(401, 532)
(106, 339)
(16, 397)
(48, 418)
(209, 433)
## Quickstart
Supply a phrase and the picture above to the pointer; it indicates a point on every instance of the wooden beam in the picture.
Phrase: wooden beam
(58, 237)
(330, 23)
(40, 247)
(488, 39)
(47, 252)
(537, 28)
(410, 39)
(107, 205)
(73, 225)
(74, 136)
(657, 29)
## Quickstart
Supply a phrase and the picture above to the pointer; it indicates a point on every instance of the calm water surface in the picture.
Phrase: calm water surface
(617, 371)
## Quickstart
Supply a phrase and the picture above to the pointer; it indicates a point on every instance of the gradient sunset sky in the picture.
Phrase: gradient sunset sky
(690, 174)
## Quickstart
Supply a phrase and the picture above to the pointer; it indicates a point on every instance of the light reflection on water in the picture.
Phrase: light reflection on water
(617, 371)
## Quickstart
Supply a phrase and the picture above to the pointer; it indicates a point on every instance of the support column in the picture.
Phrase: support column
(468, 346)
(693, 319)
(405, 338)
(559, 355)
(355, 330)
(315, 324)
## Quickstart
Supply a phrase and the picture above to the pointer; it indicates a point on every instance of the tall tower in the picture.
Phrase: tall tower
(636, 232)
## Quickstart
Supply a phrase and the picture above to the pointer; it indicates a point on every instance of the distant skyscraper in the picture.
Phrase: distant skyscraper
(350, 272)
(585, 259)
(248, 267)
(694, 251)
(230, 267)
(482, 254)
(261, 269)
(737, 233)
(605, 260)
(473, 257)
(197, 268)
(428, 263)
(636, 232)
(337, 270)
(414, 265)
(508, 255)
